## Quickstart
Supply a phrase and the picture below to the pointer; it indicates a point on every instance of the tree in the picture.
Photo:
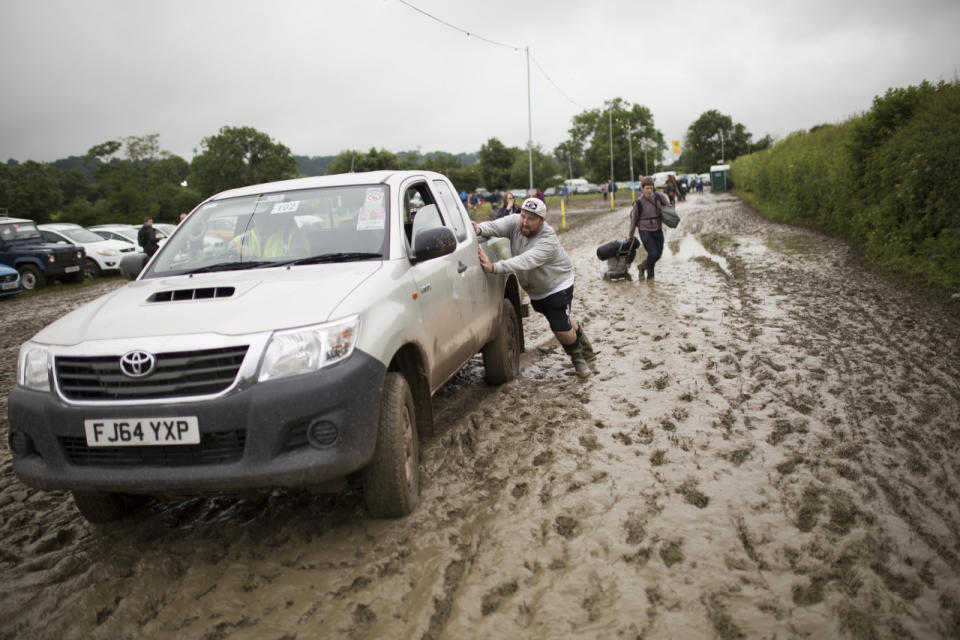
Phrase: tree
(30, 190)
(702, 146)
(240, 156)
(591, 134)
(354, 161)
(570, 158)
(496, 160)
(545, 170)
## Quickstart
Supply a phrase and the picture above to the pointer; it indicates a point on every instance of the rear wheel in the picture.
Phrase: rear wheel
(99, 508)
(31, 278)
(90, 268)
(391, 482)
(501, 356)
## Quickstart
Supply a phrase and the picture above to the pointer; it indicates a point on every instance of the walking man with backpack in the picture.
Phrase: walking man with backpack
(645, 219)
(545, 271)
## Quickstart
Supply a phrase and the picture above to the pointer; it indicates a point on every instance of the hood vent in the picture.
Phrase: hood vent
(205, 293)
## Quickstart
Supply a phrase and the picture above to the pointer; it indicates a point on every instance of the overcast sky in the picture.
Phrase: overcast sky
(323, 76)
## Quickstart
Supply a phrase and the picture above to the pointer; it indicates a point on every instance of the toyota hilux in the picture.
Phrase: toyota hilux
(305, 353)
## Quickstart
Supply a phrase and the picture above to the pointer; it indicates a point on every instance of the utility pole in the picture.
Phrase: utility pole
(721, 146)
(610, 120)
(529, 122)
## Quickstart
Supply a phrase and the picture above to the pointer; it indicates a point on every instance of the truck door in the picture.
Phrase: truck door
(479, 298)
(440, 301)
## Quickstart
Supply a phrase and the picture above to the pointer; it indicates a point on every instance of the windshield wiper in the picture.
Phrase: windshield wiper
(330, 257)
(231, 266)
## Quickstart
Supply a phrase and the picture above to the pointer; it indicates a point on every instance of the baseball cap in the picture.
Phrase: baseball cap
(534, 206)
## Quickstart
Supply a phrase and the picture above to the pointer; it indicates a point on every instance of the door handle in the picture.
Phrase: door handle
(461, 268)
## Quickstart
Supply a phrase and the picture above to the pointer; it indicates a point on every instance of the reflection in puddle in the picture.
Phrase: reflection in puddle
(689, 247)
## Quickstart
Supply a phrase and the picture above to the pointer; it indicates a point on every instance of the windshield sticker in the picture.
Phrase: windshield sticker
(374, 197)
(271, 198)
(208, 206)
(371, 218)
(285, 207)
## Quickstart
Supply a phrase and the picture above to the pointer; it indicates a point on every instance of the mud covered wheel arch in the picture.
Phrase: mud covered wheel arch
(31, 278)
(391, 482)
(501, 356)
(100, 508)
(74, 278)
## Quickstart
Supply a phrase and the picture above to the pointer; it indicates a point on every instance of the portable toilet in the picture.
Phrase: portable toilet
(720, 177)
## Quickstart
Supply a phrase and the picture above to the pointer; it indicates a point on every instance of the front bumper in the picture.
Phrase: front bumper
(255, 438)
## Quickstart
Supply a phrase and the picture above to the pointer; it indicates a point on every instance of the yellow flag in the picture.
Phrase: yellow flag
(676, 147)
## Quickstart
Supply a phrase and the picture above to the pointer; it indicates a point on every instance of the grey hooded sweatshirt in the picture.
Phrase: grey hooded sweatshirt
(541, 264)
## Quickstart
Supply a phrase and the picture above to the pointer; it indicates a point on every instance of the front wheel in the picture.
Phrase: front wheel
(501, 356)
(391, 482)
(31, 278)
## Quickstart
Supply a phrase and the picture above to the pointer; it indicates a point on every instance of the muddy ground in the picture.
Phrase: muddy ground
(769, 449)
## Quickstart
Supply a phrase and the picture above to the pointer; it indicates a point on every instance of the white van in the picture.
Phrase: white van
(575, 183)
(660, 178)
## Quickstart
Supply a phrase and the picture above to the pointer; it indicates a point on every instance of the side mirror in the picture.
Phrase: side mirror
(132, 264)
(433, 243)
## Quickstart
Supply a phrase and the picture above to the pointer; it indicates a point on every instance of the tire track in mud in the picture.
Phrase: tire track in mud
(767, 448)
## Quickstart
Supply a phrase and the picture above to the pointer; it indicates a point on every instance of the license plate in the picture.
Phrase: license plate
(72, 269)
(9, 285)
(128, 432)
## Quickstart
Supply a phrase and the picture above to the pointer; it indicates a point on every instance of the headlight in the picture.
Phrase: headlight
(107, 252)
(51, 258)
(295, 351)
(33, 366)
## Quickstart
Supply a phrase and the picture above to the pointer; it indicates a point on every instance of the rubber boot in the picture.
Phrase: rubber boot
(575, 351)
(650, 272)
(641, 268)
(588, 353)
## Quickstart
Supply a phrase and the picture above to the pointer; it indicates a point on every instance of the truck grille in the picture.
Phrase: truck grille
(177, 375)
(221, 447)
(65, 258)
(10, 277)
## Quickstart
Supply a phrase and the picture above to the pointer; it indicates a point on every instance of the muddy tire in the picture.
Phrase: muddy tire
(100, 508)
(391, 482)
(31, 278)
(90, 268)
(501, 356)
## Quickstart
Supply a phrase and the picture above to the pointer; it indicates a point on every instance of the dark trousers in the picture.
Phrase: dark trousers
(653, 243)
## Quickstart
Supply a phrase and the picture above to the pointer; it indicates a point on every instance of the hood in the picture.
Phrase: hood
(261, 300)
(39, 244)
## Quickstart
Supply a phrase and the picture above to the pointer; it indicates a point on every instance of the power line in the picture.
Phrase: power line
(556, 86)
(469, 34)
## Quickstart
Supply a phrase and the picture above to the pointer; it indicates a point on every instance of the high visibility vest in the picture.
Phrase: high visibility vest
(276, 246)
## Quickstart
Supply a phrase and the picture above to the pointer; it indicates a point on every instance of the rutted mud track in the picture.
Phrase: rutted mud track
(769, 448)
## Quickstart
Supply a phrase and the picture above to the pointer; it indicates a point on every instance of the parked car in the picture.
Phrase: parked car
(253, 370)
(24, 249)
(124, 233)
(101, 255)
(550, 191)
(9, 280)
(588, 188)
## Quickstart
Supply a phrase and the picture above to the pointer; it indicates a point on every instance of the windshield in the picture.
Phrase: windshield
(308, 226)
(19, 231)
(81, 235)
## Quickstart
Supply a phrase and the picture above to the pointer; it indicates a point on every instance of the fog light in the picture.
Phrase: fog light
(20, 444)
(322, 433)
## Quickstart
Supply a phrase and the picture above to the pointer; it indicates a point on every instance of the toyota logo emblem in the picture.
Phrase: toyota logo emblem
(137, 364)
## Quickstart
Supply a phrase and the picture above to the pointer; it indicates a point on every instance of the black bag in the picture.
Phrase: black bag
(615, 248)
(668, 215)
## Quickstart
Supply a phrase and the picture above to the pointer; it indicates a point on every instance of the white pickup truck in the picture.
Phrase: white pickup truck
(302, 348)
